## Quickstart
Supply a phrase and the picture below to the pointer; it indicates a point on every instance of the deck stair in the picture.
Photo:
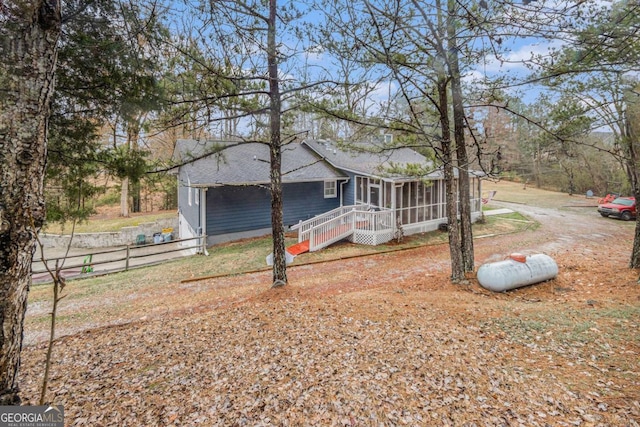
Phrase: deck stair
(299, 248)
(356, 223)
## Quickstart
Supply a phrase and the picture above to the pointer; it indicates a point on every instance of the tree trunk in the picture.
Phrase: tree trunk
(136, 196)
(634, 262)
(275, 105)
(457, 268)
(537, 166)
(28, 47)
(133, 134)
(466, 232)
(630, 140)
(124, 198)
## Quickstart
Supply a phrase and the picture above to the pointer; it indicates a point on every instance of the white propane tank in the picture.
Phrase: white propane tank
(517, 271)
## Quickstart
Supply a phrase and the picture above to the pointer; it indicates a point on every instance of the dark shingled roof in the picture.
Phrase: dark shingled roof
(369, 158)
(212, 163)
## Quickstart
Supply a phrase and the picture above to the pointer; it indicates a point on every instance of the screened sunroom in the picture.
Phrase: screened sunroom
(418, 205)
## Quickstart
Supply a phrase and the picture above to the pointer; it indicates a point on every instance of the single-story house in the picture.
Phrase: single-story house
(223, 191)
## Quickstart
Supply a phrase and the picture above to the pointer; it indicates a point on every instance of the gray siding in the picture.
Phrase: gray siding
(306, 200)
(190, 213)
(349, 197)
(237, 209)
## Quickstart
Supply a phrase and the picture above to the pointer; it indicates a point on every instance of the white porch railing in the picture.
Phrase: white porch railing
(355, 222)
(304, 227)
(373, 227)
(331, 231)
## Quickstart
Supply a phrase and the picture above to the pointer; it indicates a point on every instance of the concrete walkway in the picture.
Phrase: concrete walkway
(502, 211)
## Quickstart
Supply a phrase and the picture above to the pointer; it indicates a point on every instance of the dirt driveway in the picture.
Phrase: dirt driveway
(377, 340)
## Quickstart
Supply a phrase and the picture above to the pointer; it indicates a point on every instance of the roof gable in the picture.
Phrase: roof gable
(211, 163)
(368, 158)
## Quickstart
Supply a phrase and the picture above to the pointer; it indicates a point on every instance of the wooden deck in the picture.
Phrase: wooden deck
(347, 222)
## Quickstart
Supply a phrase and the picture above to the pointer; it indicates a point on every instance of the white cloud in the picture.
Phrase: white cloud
(315, 53)
(474, 76)
(517, 59)
(382, 90)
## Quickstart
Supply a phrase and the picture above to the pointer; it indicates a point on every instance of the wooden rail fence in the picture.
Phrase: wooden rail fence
(118, 259)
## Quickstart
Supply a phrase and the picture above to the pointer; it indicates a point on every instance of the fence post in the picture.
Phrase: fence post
(126, 265)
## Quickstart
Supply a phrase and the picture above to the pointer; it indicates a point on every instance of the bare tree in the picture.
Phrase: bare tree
(632, 122)
(418, 47)
(29, 32)
(598, 67)
(275, 149)
(237, 50)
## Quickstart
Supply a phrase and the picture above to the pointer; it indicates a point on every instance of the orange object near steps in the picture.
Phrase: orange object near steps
(299, 248)
(518, 257)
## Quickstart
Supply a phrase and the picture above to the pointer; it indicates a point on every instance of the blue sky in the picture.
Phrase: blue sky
(518, 51)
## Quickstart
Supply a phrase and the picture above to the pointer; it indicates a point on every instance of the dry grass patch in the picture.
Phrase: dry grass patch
(379, 340)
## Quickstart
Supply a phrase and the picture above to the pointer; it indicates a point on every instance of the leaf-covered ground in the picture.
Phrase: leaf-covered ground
(374, 341)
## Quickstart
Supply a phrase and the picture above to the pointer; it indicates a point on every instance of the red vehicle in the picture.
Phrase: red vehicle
(610, 197)
(622, 207)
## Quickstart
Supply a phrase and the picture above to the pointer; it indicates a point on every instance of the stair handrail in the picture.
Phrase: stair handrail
(305, 227)
(347, 218)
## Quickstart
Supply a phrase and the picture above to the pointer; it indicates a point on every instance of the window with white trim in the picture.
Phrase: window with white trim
(330, 189)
